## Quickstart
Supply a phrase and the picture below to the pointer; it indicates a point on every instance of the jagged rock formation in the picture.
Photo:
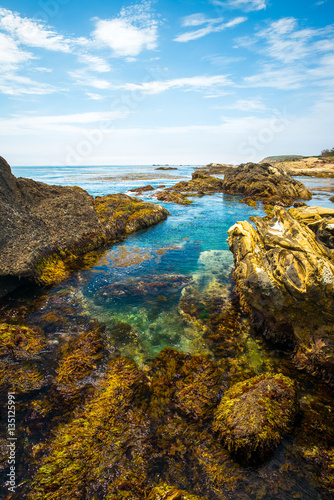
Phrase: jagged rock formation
(200, 183)
(264, 182)
(142, 189)
(285, 276)
(254, 415)
(44, 228)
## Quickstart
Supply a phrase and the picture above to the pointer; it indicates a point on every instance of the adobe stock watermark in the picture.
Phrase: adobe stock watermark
(91, 139)
(11, 442)
(49, 9)
(256, 143)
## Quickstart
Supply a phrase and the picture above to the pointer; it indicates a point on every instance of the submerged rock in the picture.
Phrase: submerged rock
(45, 228)
(265, 182)
(254, 415)
(285, 277)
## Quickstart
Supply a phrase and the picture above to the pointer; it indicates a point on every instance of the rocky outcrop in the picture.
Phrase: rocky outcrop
(264, 182)
(310, 167)
(284, 272)
(200, 183)
(45, 228)
(172, 197)
(254, 415)
(142, 189)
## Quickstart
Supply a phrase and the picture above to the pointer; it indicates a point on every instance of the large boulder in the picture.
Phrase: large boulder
(253, 415)
(44, 227)
(265, 182)
(284, 272)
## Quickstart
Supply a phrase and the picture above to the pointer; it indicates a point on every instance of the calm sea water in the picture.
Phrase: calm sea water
(140, 283)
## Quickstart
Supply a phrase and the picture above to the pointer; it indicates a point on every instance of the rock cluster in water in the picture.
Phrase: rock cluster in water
(285, 277)
(264, 182)
(45, 228)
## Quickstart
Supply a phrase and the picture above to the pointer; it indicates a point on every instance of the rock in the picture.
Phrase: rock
(285, 277)
(200, 182)
(310, 167)
(166, 168)
(331, 199)
(143, 189)
(253, 415)
(165, 492)
(264, 182)
(298, 204)
(172, 197)
(45, 228)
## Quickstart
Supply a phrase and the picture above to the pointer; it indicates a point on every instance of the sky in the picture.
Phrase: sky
(154, 82)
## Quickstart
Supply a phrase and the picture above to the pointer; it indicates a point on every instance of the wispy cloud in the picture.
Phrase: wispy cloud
(245, 105)
(134, 30)
(32, 33)
(85, 79)
(194, 83)
(11, 54)
(95, 63)
(16, 85)
(212, 26)
(245, 5)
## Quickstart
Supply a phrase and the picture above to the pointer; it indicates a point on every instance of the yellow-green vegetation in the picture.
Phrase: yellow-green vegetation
(165, 492)
(20, 342)
(253, 415)
(20, 379)
(80, 358)
(104, 443)
(325, 460)
(118, 216)
(51, 270)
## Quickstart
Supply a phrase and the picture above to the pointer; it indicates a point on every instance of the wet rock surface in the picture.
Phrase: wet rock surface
(285, 278)
(200, 183)
(44, 228)
(264, 182)
(253, 415)
(172, 197)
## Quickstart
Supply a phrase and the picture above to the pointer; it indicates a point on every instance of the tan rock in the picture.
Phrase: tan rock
(285, 276)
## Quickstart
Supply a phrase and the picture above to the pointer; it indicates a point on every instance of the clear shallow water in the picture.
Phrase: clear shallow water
(138, 287)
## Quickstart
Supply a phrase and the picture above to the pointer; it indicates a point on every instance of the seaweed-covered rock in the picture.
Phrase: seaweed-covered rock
(45, 228)
(253, 415)
(20, 342)
(103, 448)
(172, 197)
(165, 492)
(200, 183)
(142, 189)
(285, 277)
(265, 182)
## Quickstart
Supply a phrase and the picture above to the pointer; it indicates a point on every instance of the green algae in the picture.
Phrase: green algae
(253, 415)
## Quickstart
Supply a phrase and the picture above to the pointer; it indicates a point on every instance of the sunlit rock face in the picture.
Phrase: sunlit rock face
(285, 275)
(264, 182)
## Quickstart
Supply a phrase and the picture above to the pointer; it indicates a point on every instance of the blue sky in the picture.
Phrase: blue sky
(191, 82)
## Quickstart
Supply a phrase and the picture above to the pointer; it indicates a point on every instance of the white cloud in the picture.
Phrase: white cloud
(16, 85)
(95, 63)
(32, 33)
(94, 97)
(283, 79)
(10, 53)
(72, 123)
(198, 20)
(245, 105)
(134, 30)
(82, 77)
(210, 28)
(246, 5)
(193, 83)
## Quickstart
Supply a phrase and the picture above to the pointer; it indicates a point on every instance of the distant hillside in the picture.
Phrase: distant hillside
(281, 158)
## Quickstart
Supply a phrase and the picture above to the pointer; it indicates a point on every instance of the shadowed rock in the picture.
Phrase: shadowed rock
(45, 228)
